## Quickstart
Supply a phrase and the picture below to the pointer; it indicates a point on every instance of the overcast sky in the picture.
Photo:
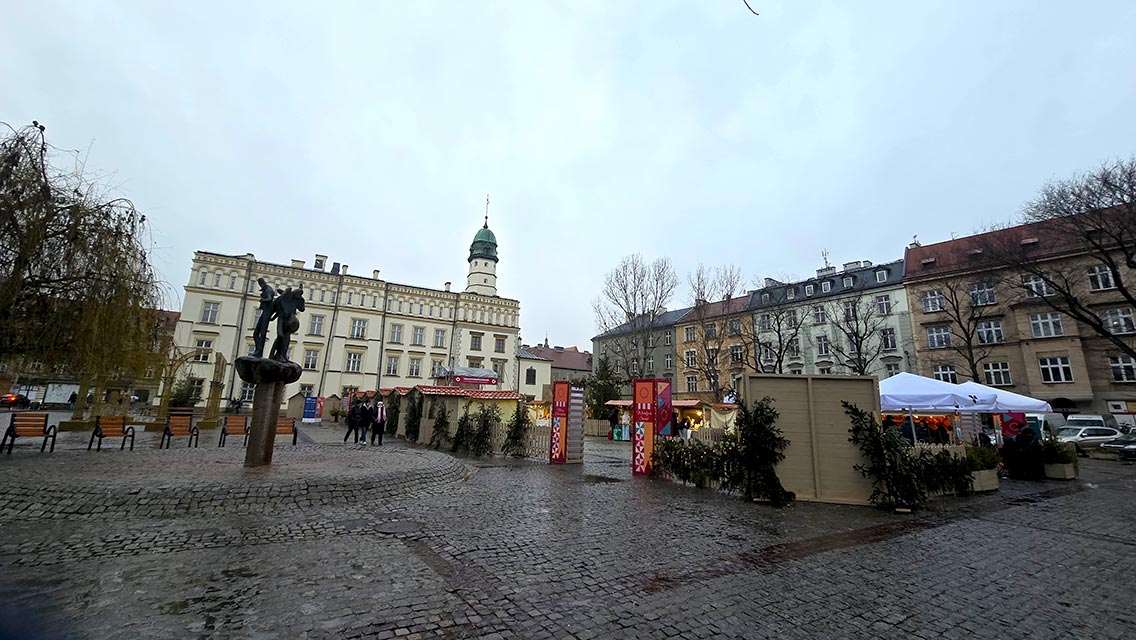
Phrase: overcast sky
(372, 131)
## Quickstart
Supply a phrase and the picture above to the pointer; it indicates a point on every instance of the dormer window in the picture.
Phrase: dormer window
(825, 286)
(847, 282)
(809, 289)
(881, 276)
(765, 298)
(790, 293)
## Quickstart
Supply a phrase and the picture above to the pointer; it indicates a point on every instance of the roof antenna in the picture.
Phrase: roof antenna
(824, 254)
(486, 212)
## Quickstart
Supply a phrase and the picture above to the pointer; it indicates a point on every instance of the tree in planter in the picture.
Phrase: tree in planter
(441, 435)
(517, 436)
(393, 405)
(184, 393)
(760, 445)
(413, 416)
(488, 416)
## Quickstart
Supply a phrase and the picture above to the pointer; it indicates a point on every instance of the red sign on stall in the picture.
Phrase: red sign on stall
(558, 445)
(643, 437)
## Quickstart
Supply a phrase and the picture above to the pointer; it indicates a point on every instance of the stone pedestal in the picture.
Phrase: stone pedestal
(270, 378)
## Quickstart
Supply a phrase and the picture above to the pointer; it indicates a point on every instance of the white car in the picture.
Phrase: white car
(1086, 437)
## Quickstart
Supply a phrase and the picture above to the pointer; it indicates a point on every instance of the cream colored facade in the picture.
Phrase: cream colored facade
(356, 332)
(534, 374)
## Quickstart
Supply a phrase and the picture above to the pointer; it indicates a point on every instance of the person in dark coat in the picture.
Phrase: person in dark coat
(353, 422)
(365, 419)
(379, 419)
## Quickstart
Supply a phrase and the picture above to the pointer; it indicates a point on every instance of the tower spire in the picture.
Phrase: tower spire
(486, 212)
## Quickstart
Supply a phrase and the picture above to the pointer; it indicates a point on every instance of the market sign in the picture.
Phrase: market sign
(474, 380)
(643, 437)
(558, 443)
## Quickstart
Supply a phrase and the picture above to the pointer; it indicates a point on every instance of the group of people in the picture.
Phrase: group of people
(365, 415)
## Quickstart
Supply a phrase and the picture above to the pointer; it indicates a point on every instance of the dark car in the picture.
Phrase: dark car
(14, 400)
(1125, 445)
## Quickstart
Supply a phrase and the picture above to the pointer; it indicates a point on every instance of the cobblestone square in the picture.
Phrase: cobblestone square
(400, 542)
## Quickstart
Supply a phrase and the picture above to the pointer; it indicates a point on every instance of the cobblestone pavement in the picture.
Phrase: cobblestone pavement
(398, 542)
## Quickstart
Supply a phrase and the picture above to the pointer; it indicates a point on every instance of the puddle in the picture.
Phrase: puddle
(594, 479)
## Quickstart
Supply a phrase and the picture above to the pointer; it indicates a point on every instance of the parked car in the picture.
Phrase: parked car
(1092, 420)
(1086, 437)
(14, 401)
(1045, 424)
(1125, 445)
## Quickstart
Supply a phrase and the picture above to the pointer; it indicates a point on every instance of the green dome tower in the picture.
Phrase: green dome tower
(482, 277)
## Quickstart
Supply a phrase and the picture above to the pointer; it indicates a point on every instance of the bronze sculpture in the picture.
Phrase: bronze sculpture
(260, 333)
(284, 309)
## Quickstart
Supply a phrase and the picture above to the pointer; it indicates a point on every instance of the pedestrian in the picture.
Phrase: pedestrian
(352, 423)
(365, 418)
(686, 428)
(380, 422)
(71, 401)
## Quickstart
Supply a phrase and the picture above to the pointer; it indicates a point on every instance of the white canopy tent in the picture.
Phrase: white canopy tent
(1008, 400)
(909, 392)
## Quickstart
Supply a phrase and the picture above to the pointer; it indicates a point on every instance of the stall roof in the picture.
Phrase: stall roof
(1008, 400)
(907, 391)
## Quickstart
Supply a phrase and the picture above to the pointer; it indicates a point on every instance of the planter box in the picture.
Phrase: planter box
(985, 480)
(1066, 471)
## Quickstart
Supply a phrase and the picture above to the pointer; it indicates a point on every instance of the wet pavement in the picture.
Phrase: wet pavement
(399, 542)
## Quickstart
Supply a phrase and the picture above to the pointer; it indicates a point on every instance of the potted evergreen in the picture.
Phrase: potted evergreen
(1060, 459)
(983, 463)
(334, 412)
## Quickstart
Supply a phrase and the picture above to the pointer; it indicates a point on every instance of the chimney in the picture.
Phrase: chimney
(335, 268)
(851, 265)
(320, 263)
(770, 282)
(824, 271)
(865, 263)
(375, 274)
(343, 269)
(448, 286)
(297, 264)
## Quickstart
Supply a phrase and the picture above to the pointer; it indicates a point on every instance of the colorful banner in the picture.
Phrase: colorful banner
(664, 412)
(311, 414)
(558, 445)
(643, 438)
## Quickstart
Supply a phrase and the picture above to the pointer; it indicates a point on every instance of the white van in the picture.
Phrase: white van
(1045, 424)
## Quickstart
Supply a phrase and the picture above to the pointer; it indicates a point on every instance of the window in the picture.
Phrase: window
(982, 294)
(311, 359)
(1117, 321)
(688, 334)
(436, 368)
(1046, 325)
(475, 343)
(201, 279)
(796, 372)
(1036, 285)
(933, 301)
(989, 332)
(767, 354)
(712, 357)
(418, 336)
(1055, 369)
(415, 368)
(499, 345)
(1100, 278)
(818, 315)
(667, 338)
(1123, 368)
(847, 282)
(358, 328)
(766, 322)
(691, 357)
(849, 310)
(396, 333)
(997, 373)
(354, 362)
(530, 376)
(232, 283)
(348, 392)
(668, 362)
(439, 337)
(791, 317)
(890, 369)
(824, 371)
(350, 297)
(204, 348)
(198, 386)
(790, 293)
(247, 391)
(209, 311)
(735, 327)
(692, 383)
(650, 363)
(945, 373)
(217, 279)
(323, 296)
(307, 390)
(887, 339)
(938, 337)
(711, 330)
(809, 289)
(713, 380)
(883, 304)
(392, 365)
(315, 327)
(823, 346)
(794, 348)
(881, 276)
(735, 354)
(825, 286)
(765, 298)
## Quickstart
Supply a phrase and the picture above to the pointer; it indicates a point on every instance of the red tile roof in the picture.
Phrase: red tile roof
(565, 357)
(716, 309)
(973, 252)
(488, 394)
(440, 390)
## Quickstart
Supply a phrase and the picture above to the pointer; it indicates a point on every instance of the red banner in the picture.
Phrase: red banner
(558, 444)
(643, 437)
(663, 409)
(474, 380)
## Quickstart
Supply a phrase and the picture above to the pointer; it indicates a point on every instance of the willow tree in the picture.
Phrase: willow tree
(78, 295)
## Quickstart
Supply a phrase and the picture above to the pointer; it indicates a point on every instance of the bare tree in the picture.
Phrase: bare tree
(713, 306)
(971, 326)
(1090, 221)
(634, 295)
(772, 335)
(859, 323)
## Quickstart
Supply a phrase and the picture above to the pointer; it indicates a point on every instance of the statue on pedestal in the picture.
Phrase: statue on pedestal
(260, 333)
(285, 308)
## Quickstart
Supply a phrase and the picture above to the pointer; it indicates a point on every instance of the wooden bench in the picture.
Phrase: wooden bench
(111, 427)
(233, 426)
(29, 425)
(286, 426)
(179, 425)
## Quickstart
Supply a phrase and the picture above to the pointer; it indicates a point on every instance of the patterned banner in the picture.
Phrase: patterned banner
(558, 445)
(643, 438)
(664, 411)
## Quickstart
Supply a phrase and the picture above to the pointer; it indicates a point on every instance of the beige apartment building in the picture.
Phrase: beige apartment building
(974, 318)
(358, 332)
